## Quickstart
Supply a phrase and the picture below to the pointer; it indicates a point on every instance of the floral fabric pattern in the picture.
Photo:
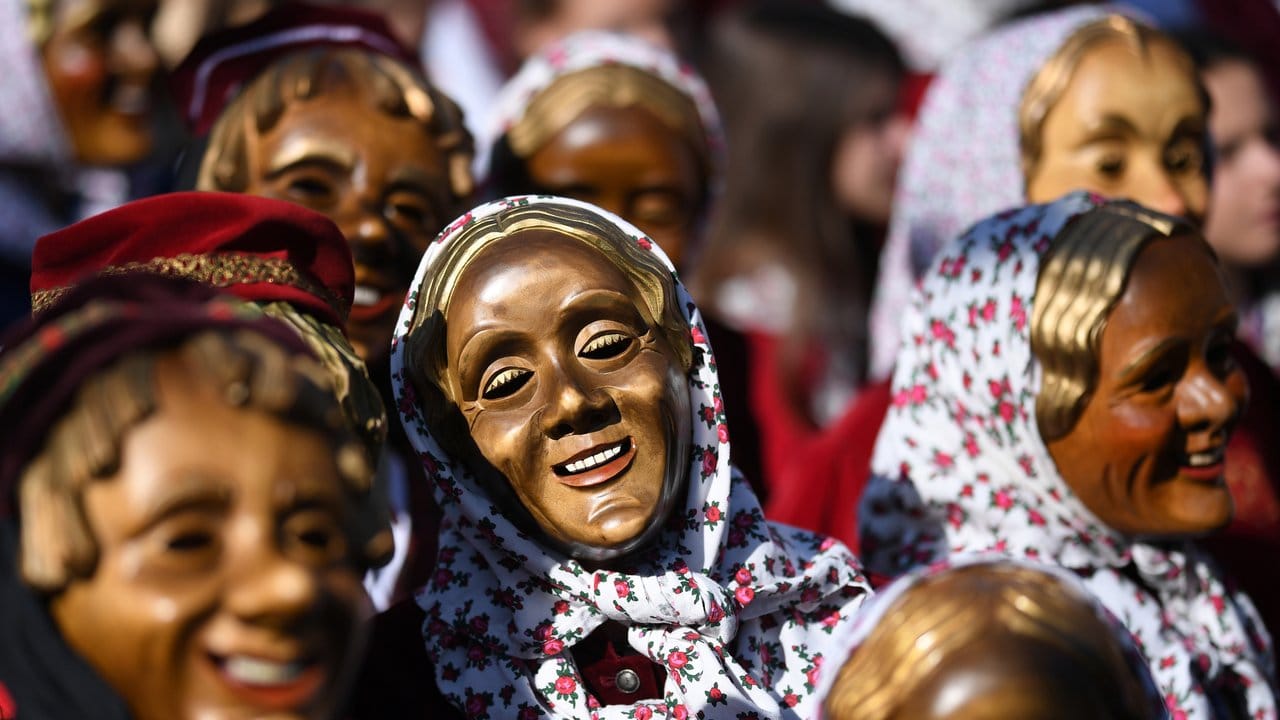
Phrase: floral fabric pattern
(740, 612)
(963, 162)
(960, 466)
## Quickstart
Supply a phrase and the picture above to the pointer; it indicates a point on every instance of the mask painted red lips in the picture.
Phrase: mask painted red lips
(596, 465)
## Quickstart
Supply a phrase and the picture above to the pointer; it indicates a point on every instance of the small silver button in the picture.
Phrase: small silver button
(628, 681)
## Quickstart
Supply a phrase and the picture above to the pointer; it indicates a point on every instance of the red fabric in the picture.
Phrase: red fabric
(911, 92)
(1249, 546)
(204, 223)
(600, 676)
(225, 61)
(814, 476)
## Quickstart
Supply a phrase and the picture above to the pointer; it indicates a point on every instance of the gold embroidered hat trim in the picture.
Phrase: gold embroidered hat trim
(218, 270)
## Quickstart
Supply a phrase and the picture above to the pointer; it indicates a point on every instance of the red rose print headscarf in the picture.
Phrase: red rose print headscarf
(741, 613)
(963, 162)
(960, 466)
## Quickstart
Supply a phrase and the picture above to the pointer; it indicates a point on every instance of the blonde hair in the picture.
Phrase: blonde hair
(1081, 279)
(1046, 88)
(948, 612)
(248, 370)
(617, 86)
(391, 86)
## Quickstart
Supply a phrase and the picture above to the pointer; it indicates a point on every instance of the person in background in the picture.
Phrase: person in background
(79, 93)
(1243, 222)
(815, 137)
(321, 106)
(1091, 434)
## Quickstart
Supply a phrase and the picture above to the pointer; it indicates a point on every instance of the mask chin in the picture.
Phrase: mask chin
(675, 485)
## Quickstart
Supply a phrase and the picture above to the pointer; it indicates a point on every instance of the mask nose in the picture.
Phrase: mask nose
(132, 53)
(1209, 403)
(575, 407)
(272, 590)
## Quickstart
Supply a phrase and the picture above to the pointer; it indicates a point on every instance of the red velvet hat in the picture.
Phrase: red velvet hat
(222, 63)
(255, 248)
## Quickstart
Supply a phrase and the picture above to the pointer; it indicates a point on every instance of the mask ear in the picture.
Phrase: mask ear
(55, 543)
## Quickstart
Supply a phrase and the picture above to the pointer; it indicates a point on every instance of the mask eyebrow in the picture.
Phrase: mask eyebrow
(1139, 364)
(297, 151)
(187, 490)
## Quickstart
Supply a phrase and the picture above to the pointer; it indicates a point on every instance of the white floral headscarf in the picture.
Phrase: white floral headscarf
(963, 162)
(595, 48)
(740, 612)
(960, 466)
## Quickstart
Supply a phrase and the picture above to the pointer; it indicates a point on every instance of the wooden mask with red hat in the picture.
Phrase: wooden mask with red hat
(185, 515)
(289, 260)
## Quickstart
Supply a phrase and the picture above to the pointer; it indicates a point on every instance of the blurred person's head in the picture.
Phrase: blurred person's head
(815, 136)
(1243, 222)
(1116, 109)
(354, 133)
(101, 66)
(615, 121)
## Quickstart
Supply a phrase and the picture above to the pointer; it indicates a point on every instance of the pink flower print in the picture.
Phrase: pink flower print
(719, 403)
(1219, 604)
(918, 394)
(716, 613)
(827, 543)
(1003, 500)
(712, 514)
(708, 462)
(998, 387)
(743, 576)
(565, 685)
(811, 676)
(1005, 410)
(1004, 251)
(644, 242)
(790, 699)
(643, 713)
(722, 432)
(480, 624)
(941, 331)
(1035, 517)
(970, 445)
(989, 310)
(698, 338)
(943, 460)
(561, 607)
(680, 712)
(955, 515)
(744, 596)
(973, 315)
(1018, 313)
(552, 647)
(967, 490)
(677, 660)
(476, 705)
(832, 619)
(966, 380)
(443, 577)
(621, 588)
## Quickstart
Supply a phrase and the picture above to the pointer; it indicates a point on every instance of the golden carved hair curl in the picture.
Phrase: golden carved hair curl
(389, 85)
(1046, 88)
(1081, 279)
(618, 86)
(246, 370)
(944, 614)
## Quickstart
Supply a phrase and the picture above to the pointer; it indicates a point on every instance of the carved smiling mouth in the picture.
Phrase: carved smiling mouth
(271, 684)
(596, 465)
(1205, 465)
(370, 302)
